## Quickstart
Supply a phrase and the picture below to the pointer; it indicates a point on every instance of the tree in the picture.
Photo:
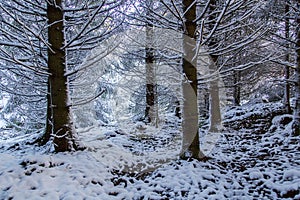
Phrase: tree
(284, 18)
(287, 59)
(151, 90)
(236, 88)
(53, 46)
(190, 143)
(279, 17)
(206, 27)
(148, 37)
(23, 61)
(59, 123)
(215, 111)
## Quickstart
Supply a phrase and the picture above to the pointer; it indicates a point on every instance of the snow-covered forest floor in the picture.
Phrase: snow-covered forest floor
(255, 157)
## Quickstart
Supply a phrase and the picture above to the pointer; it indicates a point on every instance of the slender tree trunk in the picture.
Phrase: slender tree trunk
(236, 88)
(59, 124)
(151, 93)
(215, 110)
(296, 121)
(287, 59)
(237, 80)
(204, 111)
(190, 143)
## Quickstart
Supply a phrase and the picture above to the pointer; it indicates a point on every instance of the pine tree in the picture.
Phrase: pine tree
(49, 39)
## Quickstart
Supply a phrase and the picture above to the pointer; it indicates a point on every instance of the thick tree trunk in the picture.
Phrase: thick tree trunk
(59, 125)
(190, 143)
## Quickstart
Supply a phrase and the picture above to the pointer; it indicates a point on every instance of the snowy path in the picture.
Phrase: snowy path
(243, 166)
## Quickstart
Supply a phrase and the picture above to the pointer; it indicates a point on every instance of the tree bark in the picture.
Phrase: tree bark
(287, 59)
(59, 124)
(190, 143)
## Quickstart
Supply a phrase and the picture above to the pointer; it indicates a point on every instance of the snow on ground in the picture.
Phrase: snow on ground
(142, 163)
(2, 123)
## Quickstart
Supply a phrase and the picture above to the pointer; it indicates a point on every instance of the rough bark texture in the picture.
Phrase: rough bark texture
(190, 143)
(58, 124)
(287, 59)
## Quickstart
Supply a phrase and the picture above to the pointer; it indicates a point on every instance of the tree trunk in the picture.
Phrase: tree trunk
(296, 121)
(287, 59)
(190, 143)
(236, 88)
(151, 93)
(59, 116)
(215, 110)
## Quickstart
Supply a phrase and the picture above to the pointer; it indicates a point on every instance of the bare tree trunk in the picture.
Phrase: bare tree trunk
(151, 90)
(59, 116)
(287, 59)
(215, 110)
(236, 88)
(190, 143)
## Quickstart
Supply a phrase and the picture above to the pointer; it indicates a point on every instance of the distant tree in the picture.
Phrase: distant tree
(151, 89)
(279, 16)
(150, 49)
